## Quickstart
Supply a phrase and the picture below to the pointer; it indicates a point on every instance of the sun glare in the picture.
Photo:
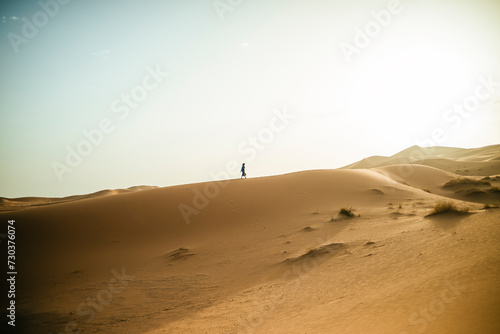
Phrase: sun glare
(414, 84)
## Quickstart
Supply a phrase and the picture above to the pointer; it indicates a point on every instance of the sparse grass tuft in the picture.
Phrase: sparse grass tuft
(465, 181)
(445, 207)
(347, 212)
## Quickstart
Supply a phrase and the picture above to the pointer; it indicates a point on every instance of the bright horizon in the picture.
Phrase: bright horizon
(117, 94)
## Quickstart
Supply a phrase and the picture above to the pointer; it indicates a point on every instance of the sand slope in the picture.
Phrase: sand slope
(12, 204)
(264, 255)
(482, 161)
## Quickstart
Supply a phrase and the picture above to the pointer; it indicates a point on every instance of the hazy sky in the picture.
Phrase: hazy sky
(112, 94)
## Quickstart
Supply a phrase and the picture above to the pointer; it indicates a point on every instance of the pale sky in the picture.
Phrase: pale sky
(177, 89)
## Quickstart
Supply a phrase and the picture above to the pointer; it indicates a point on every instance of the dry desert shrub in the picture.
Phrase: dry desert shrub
(446, 207)
(346, 212)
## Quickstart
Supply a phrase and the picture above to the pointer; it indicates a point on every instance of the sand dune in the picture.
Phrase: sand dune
(12, 204)
(482, 161)
(266, 255)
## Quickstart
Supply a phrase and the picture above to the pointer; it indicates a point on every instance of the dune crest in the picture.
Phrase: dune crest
(482, 161)
(267, 255)
(11, 204)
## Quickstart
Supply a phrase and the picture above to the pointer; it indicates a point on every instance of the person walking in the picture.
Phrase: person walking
(243, 174)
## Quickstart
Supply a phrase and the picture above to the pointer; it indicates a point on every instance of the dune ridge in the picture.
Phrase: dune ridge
(481, 161)
(266, 255)
(11, 204)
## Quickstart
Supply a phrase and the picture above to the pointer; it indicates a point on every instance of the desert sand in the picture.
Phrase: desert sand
(271, 254)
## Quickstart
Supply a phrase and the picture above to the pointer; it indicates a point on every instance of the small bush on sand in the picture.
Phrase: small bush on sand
(445, 207)
(346, 212)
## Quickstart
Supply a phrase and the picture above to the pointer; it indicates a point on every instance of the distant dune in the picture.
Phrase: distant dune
(12, 204)
(482, 161)
(271, 254)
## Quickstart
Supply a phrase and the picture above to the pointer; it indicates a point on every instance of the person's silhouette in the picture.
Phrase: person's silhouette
(243, 174)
